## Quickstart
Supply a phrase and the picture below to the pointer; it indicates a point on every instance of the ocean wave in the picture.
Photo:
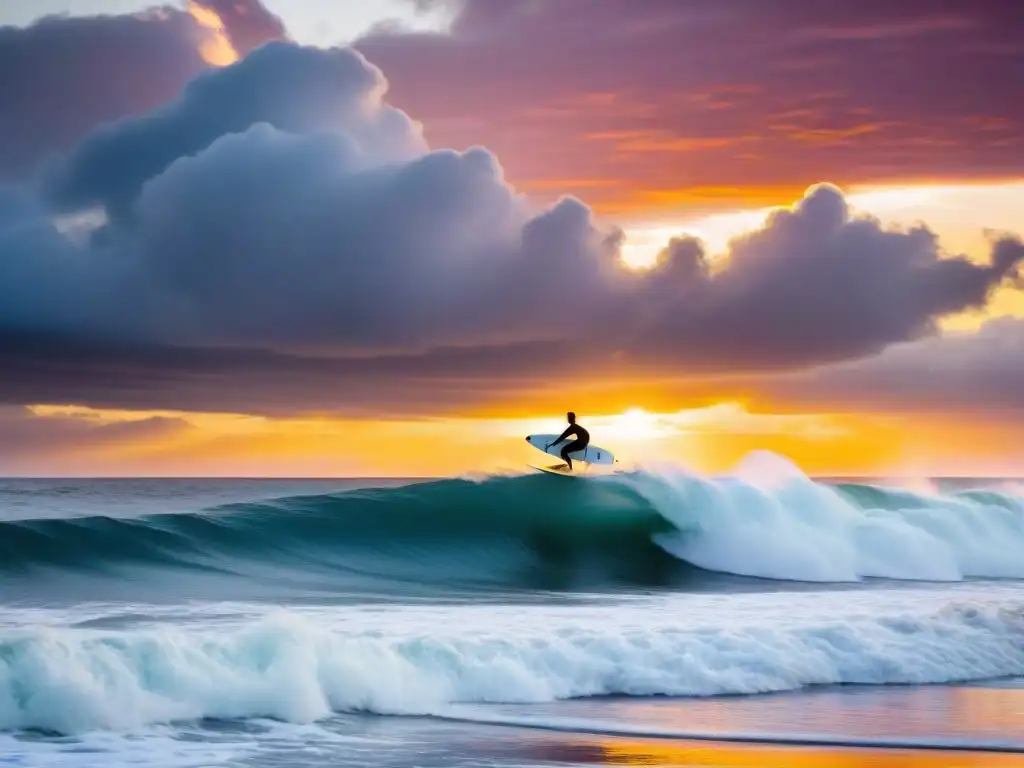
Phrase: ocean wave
(646, 528)
(505, 532)
(285, 667)
(770, 521)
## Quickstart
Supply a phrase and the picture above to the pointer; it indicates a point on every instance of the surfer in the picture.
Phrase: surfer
(581, 442)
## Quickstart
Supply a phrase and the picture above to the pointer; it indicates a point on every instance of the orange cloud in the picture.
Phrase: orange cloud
(683, 97)
(216, 47)
(661, 141)
(835, 135)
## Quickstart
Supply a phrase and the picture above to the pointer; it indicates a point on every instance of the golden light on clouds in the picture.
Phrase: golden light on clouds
(707, 439)
(216, 47)
(964, 217)
(639, 425)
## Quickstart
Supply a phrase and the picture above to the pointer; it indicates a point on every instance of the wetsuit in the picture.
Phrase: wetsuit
(582, 441)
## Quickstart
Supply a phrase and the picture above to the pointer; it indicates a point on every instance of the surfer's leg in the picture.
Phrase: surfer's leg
(575, 445)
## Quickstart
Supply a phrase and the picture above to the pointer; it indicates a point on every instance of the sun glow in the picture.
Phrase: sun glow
(643, 245)
(639, 425)
(216, 47)
(708, 438)
(634, 424)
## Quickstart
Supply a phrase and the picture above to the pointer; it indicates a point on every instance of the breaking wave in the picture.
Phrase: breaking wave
(283, 667)
(644, 528)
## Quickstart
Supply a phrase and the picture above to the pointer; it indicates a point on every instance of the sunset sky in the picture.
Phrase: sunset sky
(392, 237)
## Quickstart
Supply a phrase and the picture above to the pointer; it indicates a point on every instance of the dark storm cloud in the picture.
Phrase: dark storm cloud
(60, 368)
(292, 245)
(63, 76)
(976, 371)
(622, 100)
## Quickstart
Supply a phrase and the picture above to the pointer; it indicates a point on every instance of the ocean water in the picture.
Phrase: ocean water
(652, 616)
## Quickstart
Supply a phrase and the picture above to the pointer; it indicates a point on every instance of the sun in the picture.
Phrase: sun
(633, 424)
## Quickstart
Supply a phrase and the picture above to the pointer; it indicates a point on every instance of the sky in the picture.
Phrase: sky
(316, 238)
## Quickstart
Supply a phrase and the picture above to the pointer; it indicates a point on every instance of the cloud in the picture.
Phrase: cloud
(814, 284)
(71, 72)
(293, 89)
(247, 23)
(734, 96)
(28, 434)
(979, 371)
(280, 237)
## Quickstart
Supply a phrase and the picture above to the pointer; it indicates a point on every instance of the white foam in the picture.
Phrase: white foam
(769, 520)
(156, 750)
(298, 669)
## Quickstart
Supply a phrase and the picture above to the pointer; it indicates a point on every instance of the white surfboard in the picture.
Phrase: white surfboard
(592, 454)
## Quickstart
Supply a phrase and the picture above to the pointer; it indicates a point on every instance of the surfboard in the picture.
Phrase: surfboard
(558, 469)
(592, 454)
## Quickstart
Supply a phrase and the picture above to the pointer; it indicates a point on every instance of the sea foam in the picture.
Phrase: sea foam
(769, 520)
(293, 669)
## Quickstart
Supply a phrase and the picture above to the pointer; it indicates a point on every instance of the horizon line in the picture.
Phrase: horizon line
(329, 478)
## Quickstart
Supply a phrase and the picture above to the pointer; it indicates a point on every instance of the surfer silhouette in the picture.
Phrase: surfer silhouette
(582, 439)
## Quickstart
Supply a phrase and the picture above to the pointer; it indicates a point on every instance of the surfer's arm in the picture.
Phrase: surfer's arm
(561, 437)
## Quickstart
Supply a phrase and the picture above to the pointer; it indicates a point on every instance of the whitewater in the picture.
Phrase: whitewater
(248, 622)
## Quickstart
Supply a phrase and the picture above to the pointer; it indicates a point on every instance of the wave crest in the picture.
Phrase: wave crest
(72, 680)
(644, 528)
